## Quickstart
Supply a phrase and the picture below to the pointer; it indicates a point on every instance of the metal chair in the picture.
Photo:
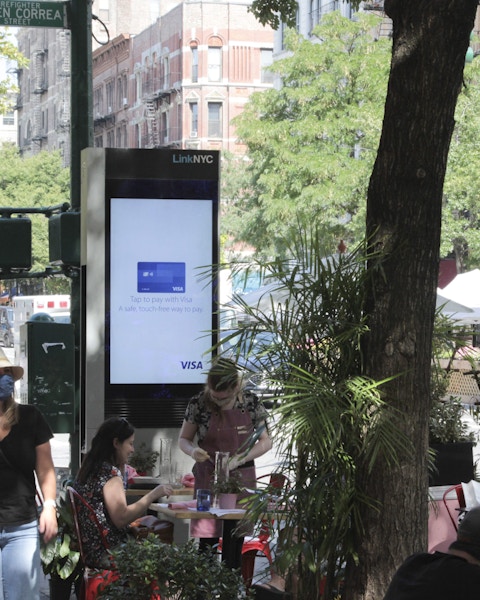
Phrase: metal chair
(253, 546)
(93, 578)
(454, 516)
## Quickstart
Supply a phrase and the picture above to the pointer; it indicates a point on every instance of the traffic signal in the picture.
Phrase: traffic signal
(15, 243)
(64, 239)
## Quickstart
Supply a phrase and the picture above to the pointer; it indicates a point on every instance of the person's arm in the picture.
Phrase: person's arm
(186, 444)
(122, 513)
(48, 485)
(263, 445)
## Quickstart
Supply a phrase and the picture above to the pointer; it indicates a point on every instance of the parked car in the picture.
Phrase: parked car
(6, 326)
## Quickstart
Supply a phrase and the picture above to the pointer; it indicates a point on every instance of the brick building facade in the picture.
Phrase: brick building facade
(177, 82)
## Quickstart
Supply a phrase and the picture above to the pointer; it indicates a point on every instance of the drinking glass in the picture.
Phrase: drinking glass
(203, 500)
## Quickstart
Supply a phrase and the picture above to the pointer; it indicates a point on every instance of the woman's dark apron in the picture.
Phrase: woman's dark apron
(227, 431)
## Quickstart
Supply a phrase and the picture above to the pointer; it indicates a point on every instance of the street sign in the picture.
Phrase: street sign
(24, 13)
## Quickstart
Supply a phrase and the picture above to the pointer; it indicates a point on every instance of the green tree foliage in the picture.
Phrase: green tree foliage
(39, 181)
(312, 143)
(461, 209)
(7, 86)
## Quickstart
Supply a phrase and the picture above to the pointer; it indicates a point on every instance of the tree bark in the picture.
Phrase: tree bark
(430, 39)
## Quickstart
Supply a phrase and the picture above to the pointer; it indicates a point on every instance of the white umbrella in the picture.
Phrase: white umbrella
(464, 289)
(449, 306)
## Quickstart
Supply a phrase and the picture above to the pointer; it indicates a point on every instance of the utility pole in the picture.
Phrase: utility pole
(81, 136)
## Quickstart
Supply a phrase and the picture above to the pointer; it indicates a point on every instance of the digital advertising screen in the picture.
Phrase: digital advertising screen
(160, 307)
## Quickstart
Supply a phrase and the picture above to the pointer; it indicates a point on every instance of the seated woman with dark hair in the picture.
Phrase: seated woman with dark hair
(100, 481)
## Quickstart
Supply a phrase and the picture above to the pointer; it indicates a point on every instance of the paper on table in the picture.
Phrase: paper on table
(218, 512)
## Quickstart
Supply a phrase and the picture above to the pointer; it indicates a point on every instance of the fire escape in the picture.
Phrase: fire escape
(385, 25)
(159, 96)
(152, 124)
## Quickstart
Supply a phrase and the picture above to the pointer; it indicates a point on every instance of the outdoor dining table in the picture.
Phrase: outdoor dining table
(230, 518)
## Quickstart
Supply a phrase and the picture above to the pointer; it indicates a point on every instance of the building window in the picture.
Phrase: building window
(9, 118)
(111, 138)
(314, 13)
(110, 95)
(155, 72)
(214, 63)
(164, 127)
(194, 49)
(266, 60)
(104, 10)
(166, 72)
(98, 103)
(125, 86)
(215, 119)
(119, 92)
(138, 87)
(283, 33)
(193, 119)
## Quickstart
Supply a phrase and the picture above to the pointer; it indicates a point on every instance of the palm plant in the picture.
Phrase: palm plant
(331, 422)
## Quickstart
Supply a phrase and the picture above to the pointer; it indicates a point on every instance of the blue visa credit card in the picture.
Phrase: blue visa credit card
(161, 277)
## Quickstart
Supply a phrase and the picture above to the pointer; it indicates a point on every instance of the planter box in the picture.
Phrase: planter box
(453, 463)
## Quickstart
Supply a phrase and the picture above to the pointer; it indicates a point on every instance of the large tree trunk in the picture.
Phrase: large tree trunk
(430, 39)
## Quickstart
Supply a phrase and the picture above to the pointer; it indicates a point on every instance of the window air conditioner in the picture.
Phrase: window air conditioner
(193, 134)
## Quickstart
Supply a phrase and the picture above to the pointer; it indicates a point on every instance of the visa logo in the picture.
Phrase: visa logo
(177, 288)
(191, 364)
(193, 158)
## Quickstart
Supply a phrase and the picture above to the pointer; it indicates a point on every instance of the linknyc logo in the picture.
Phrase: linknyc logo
(191, 159)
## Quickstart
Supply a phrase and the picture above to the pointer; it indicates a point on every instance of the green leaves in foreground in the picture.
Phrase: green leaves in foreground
(149, 567)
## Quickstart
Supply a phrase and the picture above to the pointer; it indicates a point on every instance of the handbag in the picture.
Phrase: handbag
(162, 528)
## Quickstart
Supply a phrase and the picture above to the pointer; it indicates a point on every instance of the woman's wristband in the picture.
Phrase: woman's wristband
(50, 502)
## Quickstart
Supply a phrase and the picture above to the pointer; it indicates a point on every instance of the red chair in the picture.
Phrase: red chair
(252, 546)
(461, 503)
(93, 579)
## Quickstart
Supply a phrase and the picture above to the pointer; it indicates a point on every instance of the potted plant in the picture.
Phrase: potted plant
(143, 460)
(452, 443)
(227, 488)
(151, 570)
(61, 556)
(331, 423)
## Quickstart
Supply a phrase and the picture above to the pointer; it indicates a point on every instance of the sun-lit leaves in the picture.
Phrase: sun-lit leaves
(33, 182)
(461, 206)
(312, 142)
(8, 87)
